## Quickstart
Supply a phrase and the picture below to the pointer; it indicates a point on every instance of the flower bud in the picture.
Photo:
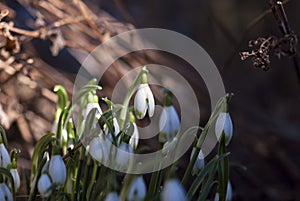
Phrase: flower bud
(6, 192)
(173, 191)
(16, 177)
(44, 186)
(4, 156)
(144, 101)
(169, 124)
(123, 156)
(137, 190)
(112, 196)
(199, 164)
(57, 170)
(224, 124)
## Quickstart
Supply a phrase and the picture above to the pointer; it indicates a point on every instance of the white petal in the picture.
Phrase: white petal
(199, 164)
(113, 196)
(116, 126)
(123, 156)
(44, 186)
(140, 104)
(224, 123)
(4, 156)
(173, 191)
(2, 198)
(6, 192)
(54, 127)
(137, 190)
(169, 146)
(57, 170)
(95, 149)
(151, 102)
(134, 139)
(16, 177)
(91, 106)
(229, 192)
(169, 123)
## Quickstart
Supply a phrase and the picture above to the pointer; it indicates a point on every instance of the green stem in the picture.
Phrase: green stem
(93, 179)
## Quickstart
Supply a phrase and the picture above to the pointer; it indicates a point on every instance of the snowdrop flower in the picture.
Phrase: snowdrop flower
(169, 146)
(91, 106)
(224, 124)
(112, 196)
(123, 156)
(54, 127)
(5, 192)
(137, 190)
(44, 186)
(199, 164)
(173, 191)
(116, 128)
(144, 99)
(57, 170)
(16, 177)
(134, 139)
(2, 195)
(4, 156)
(98, 149)
(169, 124)
(228, 193)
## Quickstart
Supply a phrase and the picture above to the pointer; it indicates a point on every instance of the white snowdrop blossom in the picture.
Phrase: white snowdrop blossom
(16, 177)
(57, 170)
(54, 127)
(123, 156)
(112, 196)
(228, 193)
(169, 124)
(91, 106)
(99, 149)
(144, 101)
(173, 191)
(44, 186)
(224, 124)
(137, 189)
(6, 192)
(4, 156)
(134, 139)
(169, 146)
(199, 164)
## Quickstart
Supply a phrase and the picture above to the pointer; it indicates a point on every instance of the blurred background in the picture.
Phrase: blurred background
(43, 43)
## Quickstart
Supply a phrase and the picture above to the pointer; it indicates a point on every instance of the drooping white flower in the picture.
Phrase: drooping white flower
(137, 190)
(123, 156)
(144, 101)
(173, 191)
(112, 196)
(116, 128)
(4, 156)
(44, 186)
(134, 139)
(98, 148)
(16, 177)
(91, 106)
(199, 164)
(228, 193)
(57, 170)
(6, 192)
(224, 124)
(169, 146)
(169, 124)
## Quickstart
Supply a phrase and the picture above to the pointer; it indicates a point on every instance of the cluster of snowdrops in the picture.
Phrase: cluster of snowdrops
(67, 163)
